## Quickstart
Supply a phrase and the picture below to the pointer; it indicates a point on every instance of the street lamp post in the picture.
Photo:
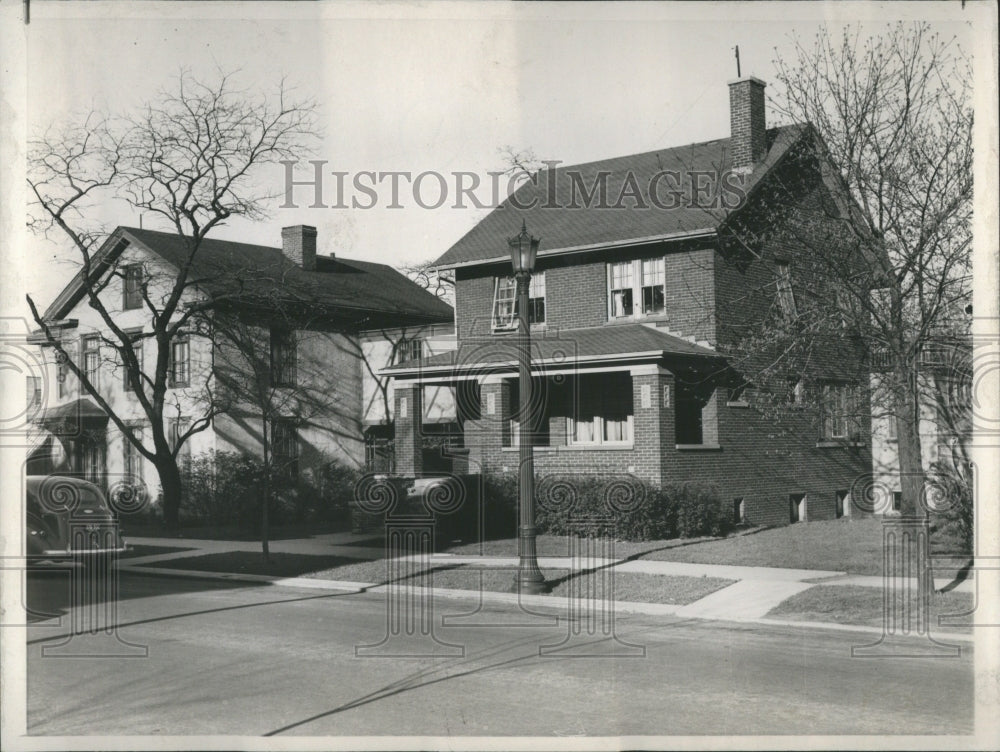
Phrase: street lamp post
(529, 579)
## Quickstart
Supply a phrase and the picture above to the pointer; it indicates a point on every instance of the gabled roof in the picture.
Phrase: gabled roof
(563, 227)
(564, 348)
(256, 272)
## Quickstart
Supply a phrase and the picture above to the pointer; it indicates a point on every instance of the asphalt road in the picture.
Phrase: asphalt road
(224, 658)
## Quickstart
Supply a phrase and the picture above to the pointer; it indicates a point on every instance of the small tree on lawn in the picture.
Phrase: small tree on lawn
(189, 158)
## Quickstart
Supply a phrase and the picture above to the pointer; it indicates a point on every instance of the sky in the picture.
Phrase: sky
(441, 87)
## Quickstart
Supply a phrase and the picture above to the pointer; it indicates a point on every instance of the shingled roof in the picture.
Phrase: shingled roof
(251, 272)
(564, 227)
(566, 347)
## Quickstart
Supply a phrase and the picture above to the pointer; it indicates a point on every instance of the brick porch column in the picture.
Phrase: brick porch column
(485, 436)
(652, 421)
(409, 411)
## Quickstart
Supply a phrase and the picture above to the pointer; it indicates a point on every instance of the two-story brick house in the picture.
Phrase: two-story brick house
(644, 283)
(317, 318)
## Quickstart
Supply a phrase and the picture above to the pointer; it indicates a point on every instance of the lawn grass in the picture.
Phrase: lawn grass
(628, 586)
(844, 545)
(137, 551)
(853, 604)
(251, 562)
(558, 545)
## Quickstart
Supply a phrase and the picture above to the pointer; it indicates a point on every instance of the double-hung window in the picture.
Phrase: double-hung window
(621, 290)
(409, 349)
(505, 302)
(92, 360)
(132, 286)
(839, 407)
(285, 448)
(283, 357)
(180, 361)
(636, 288)
(136, 340)
(176, 428)
(131, 457)
(602, 413)
(63, 374)
(653, 293)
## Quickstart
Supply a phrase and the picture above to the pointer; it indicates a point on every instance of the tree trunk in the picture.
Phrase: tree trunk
(265, 517)
(911, 471)
(170, 482)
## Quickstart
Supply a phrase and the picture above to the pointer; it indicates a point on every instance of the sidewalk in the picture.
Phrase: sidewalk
(755, 592)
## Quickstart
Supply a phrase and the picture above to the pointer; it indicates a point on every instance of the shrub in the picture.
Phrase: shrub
(320, 494)
(225, 488)
(499, 505)
(952, 516)
(699, 510)
(623, 507)
(222, 488)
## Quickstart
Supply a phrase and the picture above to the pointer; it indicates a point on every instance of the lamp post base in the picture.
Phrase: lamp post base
(530, 586)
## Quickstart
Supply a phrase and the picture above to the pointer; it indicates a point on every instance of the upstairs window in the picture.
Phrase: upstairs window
(63, 374)
(839, 412)
(621, 290)
(180, 362)
(786, 298)
(653, 291)
(132, 286)
(283, 357)
(636, 288)
(92, 360)
(505, 302)
(137, 351)
(409, 349)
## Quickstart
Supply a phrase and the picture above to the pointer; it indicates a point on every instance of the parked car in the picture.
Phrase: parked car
(70, 519)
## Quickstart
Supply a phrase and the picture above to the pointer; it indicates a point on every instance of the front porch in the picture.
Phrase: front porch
(620, 411)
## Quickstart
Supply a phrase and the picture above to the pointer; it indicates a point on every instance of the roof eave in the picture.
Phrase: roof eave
(590, 247)
(417, 371)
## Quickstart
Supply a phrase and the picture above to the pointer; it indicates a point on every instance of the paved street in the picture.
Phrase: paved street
(239, 658)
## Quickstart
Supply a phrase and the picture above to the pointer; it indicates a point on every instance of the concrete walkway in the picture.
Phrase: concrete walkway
(755, 592)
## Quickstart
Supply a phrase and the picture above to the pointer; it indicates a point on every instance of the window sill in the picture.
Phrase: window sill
(831, 443)
(532, 328)
(696, 447)
(648, 318)
(575, 448)
(738, 403)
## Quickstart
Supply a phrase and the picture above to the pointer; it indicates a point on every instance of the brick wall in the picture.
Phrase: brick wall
(576, 293)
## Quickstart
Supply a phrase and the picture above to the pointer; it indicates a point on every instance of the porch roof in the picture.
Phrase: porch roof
(561, 348)
(82, 409)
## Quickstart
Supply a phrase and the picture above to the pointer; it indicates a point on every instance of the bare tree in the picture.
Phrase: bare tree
(263, 381)
(879, 203)
(190, 158)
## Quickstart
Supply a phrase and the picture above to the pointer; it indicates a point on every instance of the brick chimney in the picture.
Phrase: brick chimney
(746, 122)
(298, 244)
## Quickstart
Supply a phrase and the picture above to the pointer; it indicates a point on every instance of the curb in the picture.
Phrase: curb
(489, 596)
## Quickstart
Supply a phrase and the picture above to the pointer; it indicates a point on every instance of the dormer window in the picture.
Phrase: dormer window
(132, 286)
(409, 349)
(636, 288)
(505, 302)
